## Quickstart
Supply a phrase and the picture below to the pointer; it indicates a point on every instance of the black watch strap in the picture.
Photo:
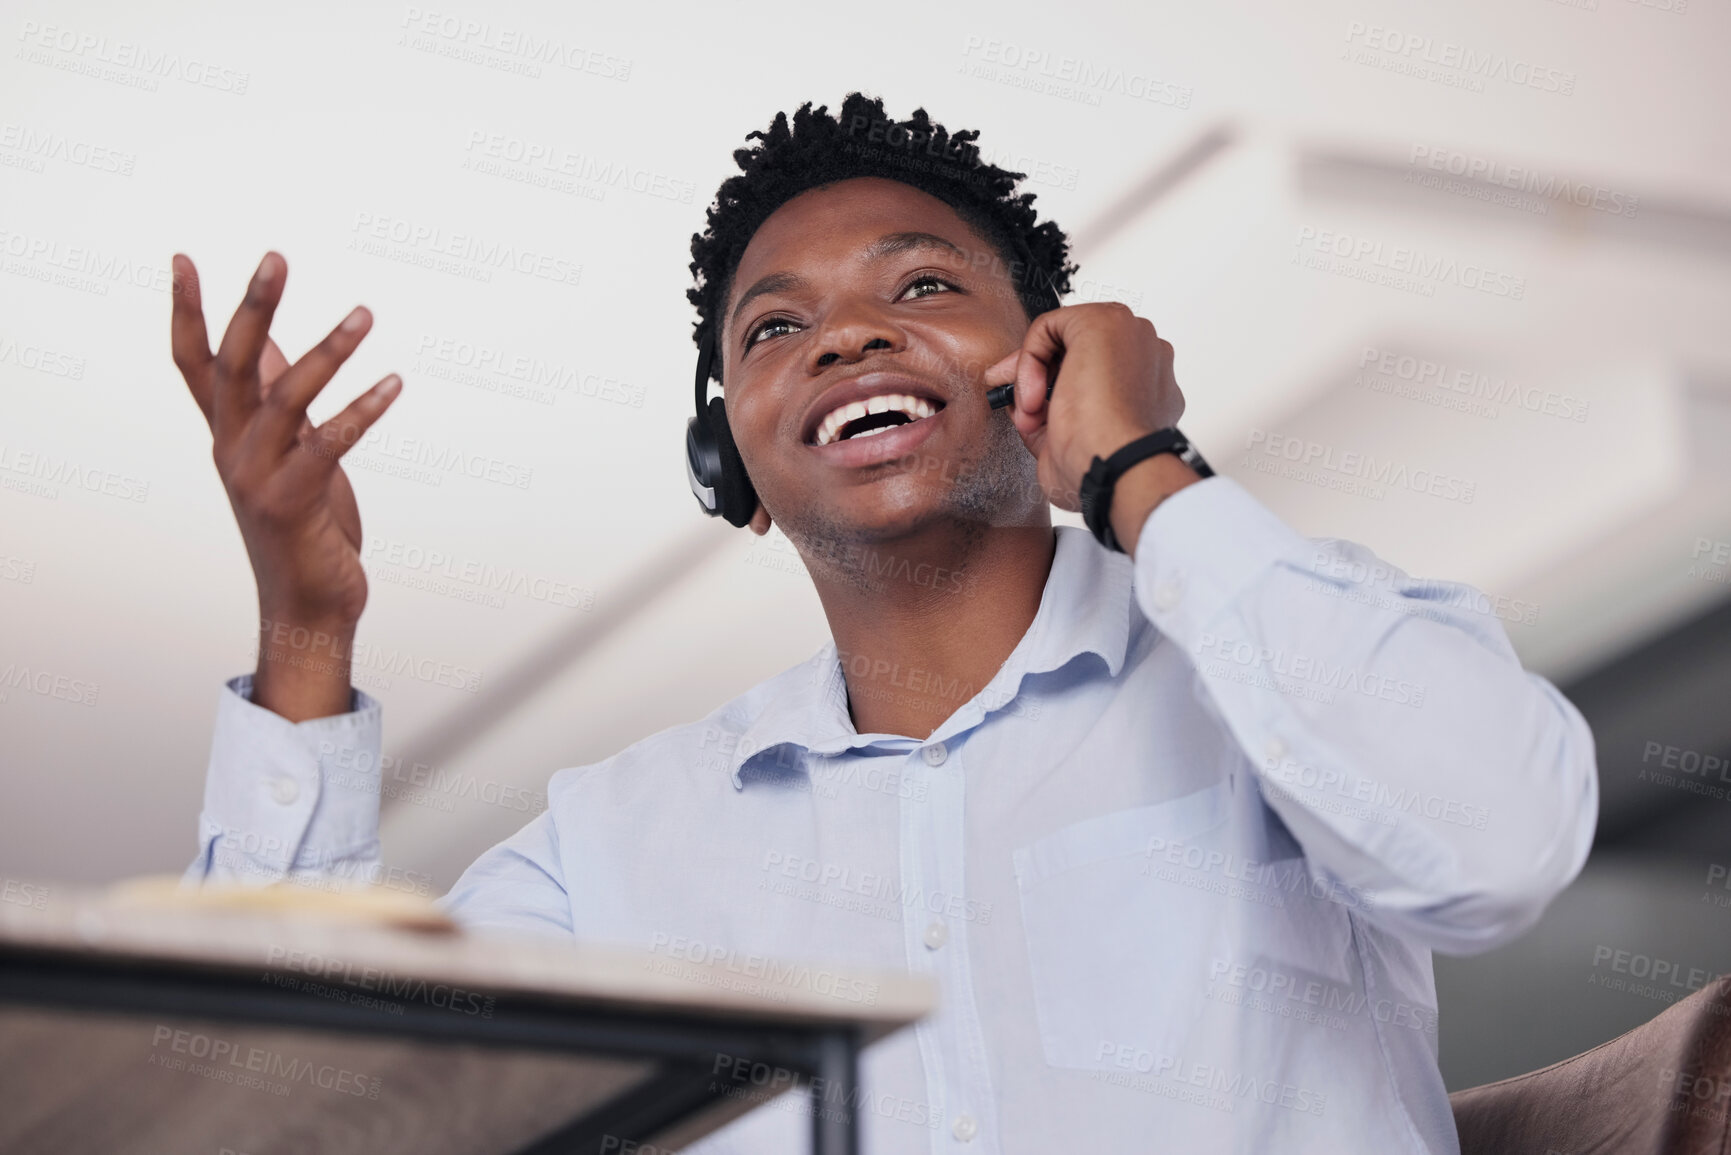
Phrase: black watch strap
(1102, 477)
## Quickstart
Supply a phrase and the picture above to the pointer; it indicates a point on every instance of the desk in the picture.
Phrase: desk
(138, 1027)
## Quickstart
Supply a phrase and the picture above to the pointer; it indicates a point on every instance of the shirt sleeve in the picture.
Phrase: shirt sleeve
(1388, 719)
(289, 800)
(517, 885)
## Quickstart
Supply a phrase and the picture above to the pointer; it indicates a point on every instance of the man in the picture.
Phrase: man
(1174, 817)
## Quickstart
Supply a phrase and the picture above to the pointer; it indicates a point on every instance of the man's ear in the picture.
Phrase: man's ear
(759, 522)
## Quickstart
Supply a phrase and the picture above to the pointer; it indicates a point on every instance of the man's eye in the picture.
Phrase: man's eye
(928, 287)
(768, 329)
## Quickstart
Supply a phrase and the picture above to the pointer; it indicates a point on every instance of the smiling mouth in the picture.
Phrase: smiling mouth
(873, 415)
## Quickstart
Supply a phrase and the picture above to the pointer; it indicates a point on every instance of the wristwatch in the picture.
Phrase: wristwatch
(1102, 477)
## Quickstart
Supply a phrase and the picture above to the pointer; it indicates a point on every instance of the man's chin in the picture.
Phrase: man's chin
(886, 521)
(961, 497)
(866, 516)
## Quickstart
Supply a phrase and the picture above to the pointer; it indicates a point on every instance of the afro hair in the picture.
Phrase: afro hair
(817, 149)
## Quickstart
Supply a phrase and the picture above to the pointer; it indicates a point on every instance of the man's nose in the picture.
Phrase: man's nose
(831, 357)
(852, 331)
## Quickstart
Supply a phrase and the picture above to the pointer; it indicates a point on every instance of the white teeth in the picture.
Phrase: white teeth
(913, 408)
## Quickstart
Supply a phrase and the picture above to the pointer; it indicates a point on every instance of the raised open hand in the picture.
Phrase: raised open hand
(291, 499)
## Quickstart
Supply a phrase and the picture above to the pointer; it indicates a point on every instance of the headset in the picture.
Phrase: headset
(712, 463)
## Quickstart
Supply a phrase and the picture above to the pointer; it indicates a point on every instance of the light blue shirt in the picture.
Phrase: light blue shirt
(1177, 869)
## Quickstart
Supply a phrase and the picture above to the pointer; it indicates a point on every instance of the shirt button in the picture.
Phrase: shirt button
(937, 935)
(1167, 595)
(964, 1128)
(936, 753)
(1276, 749)
(284, 790)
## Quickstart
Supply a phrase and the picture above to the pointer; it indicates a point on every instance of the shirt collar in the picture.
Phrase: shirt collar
(1085, 608)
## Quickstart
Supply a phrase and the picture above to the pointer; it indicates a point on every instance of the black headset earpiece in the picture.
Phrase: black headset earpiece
(712, 462)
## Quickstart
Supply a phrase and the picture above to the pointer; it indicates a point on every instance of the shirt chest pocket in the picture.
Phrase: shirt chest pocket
(1120, 928)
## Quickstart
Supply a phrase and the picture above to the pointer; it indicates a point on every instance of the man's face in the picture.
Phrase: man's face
(869, 288)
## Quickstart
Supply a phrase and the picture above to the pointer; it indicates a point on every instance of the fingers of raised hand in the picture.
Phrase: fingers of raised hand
(236, 384)
(290, 393)
(188, 340)
(325, 445)
(271, 364)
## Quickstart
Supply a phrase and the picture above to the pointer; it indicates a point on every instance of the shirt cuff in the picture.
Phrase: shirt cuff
(1201, 548)
(282, 796)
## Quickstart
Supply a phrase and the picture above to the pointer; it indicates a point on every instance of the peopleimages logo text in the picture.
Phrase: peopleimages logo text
(1365, 467)
(150, 64)
(1084, 74)
(1410, 261)
(1546, 186)
(1471, 62)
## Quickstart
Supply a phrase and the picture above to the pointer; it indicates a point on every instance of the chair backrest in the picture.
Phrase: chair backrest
(1663, 1088)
